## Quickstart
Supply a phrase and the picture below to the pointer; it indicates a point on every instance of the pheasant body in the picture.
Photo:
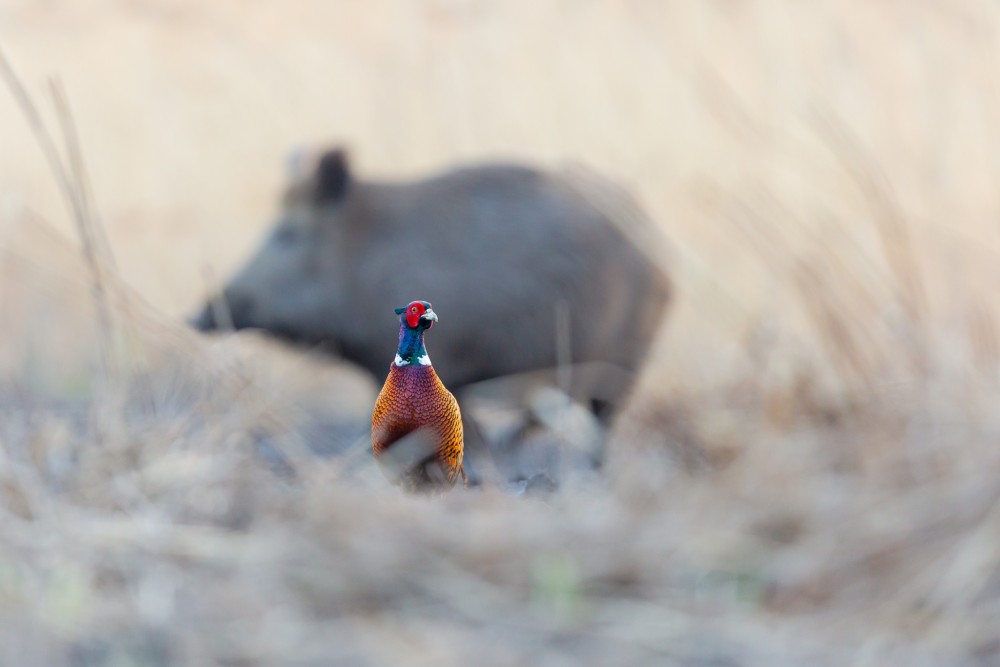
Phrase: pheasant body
(416, 424)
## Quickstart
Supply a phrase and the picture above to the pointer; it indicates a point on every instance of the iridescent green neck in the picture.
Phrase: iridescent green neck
(411, 348)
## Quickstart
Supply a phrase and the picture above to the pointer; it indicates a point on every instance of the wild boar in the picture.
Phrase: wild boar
(504, 252)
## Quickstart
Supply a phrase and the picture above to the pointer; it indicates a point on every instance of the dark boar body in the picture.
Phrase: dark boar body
(498, 249)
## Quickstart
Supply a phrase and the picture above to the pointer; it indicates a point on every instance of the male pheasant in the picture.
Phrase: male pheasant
(416, 424)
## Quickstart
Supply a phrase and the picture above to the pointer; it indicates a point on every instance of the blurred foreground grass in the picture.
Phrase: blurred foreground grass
(825, 173)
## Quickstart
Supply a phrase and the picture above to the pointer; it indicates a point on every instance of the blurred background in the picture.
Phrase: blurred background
(824, 175)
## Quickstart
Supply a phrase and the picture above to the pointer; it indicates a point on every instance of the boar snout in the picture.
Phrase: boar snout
(204, 320)
(223, 312)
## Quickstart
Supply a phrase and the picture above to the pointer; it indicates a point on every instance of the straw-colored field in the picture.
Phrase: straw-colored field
(807, 475)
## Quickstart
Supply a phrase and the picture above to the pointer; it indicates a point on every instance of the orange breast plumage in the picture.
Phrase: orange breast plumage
(417, 428)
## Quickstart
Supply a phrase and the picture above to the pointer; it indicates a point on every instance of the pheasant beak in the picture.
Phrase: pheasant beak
(429, 315)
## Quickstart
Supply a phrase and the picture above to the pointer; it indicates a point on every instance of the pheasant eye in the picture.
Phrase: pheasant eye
(413, 310)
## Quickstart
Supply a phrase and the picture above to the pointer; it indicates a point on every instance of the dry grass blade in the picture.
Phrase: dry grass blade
(838, 333)
(894, 234)
(92, 235)
(72, 189)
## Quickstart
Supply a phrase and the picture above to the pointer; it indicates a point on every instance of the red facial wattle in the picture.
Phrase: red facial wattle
(413, 313)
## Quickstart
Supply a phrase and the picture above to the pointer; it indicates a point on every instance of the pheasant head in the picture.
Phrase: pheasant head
(414, 319)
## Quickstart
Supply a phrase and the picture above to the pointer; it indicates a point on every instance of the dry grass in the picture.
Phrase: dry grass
(826, 174)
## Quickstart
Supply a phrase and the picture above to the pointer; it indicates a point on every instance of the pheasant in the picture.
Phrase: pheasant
(416, 424)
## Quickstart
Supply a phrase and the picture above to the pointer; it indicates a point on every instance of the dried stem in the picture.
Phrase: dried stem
(71, 189)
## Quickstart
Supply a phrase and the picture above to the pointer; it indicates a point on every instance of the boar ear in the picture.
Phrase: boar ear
(400, 311)
(332, 176)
